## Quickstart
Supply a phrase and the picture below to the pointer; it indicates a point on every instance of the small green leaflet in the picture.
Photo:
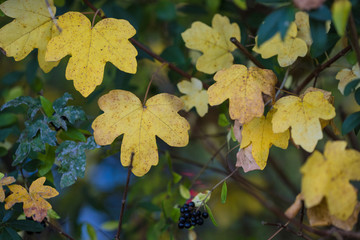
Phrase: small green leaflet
(223, 193)
(34, 105)
(210, 214)
(222, 120)
(47, 106)
(91, 232)
(184, 192)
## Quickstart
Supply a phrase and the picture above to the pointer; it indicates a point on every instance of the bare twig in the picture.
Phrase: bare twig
(354, 37)
(321, 68)
(60, 231)
(53, 16)
(123, 202)
(216, 185)
(246, 52)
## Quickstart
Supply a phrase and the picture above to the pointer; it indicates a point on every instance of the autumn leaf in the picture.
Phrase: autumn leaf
(303, 24)
(303, 116)
(327, 176)
(243, 87)
(125, 114)
(32, 28)
(258, 132)
(91, 47)
(319, 216)
(245, 159)
(346, 76)
(195, 96)
(213, 42)
(288, 50)
(4, 181)
(35, 205)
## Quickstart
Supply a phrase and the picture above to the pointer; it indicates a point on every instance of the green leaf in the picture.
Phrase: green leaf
(357, 96)
(200, 197)
(223, 193)
(321, 14)
(210, 214)
(73, 134)
(47, 160)
(52, 214)
(1, 175)
(46, 134)
(340, 14)
(176, 177)
(21, 153)
(184, 192)
(233, 134)
(26, 225)
(318, 32)
(59, 3)
(351, 58)
(12, 78)
(110, 225)
(33, 105)
(213, 5)
(241, 4)
(7, 119)
(351, 86)
(91, 232)
(278, 21)
(47, 106)
(9, 233)
(165, 10)
(351, 122)
(72, 158)
(222, 120)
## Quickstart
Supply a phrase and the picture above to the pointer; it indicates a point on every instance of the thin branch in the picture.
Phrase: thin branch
(207, 164)
(279, 230)
(123, 202)
(216, 185)
(53, 16)
(93, 20)
(246, 52)
(354, 37)
(321, 68)
(60, 231)
(281, 87)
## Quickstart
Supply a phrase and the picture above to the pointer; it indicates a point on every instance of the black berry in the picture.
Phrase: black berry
(182, 220)
(181, 225)
(205, 215)
(186, 209)
(186, 205)
(186, 215)
(187, 225)
(193, 223)
(182, 210)
(191, 204)
(200, 221)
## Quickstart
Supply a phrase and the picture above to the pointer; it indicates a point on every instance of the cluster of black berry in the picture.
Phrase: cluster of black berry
(190, 217)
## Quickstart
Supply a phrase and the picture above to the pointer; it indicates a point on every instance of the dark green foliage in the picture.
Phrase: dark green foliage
(71, 156)
(351, 122)
(278, 21)
(33, 105)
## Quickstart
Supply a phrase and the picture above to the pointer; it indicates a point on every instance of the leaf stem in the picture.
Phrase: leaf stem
(123, 202)
(151, 80)
(246, 52)
(53, 16)
(93, 20)
(322, 67)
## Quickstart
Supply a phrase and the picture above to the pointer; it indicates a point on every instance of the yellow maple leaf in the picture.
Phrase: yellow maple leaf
(303, 25)
(259, 133)
(35, 205)
(346, 75)
(91, 48)
(288, 50)
(327, 176)
(4, 181)
(31, 28)
(195, 96)
(125, 114)
(213, 42)
(243, 87)
(302, 115)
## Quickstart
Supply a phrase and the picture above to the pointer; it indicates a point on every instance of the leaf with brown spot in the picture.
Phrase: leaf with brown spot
(35, 205)
(243, 87)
